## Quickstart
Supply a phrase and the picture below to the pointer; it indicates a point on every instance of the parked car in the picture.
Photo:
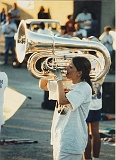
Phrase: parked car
(33, 25)
(52, 25)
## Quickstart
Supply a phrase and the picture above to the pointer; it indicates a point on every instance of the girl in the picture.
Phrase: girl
(69, 128)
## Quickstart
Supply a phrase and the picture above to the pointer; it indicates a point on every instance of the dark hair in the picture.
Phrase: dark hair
(42, 25)
(85, 8)
(9, 15)
(69, 16)
(107, 28)
(84, 65)
(42, 9)
(63, 27)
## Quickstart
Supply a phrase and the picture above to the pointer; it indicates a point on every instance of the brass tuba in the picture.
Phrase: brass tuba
(49, 52)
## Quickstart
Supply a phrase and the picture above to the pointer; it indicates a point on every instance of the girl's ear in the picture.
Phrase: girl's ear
(79, 73)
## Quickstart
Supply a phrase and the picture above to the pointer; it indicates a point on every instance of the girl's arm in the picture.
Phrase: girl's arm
(43, 84)
(62, 100)
(61, 93)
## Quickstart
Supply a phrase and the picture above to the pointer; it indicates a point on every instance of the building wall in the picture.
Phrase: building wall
(94, 7)
(108, 13)
(104, 10)
(58, 9)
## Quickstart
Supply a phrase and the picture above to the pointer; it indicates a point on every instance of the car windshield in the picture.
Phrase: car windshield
(53, 26)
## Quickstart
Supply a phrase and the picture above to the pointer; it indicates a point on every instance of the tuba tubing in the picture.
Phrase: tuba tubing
(44, 46)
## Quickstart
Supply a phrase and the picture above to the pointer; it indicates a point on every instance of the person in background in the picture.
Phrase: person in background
(41, 13)
(9, 29)
(83, 17)
(79, 32)
(107, 40)
(2, 16)
(3, 85)
(15, 12)
(69, 129)
(113, 34)
(93, 119)
(49, 14)
(2, 21)
(43, 30)
(92, 150)
(70, 28)
(93, 30)
(63, 33)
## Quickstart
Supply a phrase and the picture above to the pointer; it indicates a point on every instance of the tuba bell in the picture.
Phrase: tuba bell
(46, 53)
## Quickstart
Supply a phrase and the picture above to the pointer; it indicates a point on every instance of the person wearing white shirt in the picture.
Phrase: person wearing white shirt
(79, 32)
(15, 13)
(107, 39)
(92, 150)
(43, 30)
(82, 17)
(9, 29)
(63, 33)
(69, 128)
(3, 85)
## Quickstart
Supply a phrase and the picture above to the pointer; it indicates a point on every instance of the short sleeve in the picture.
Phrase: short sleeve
(84, 33)
(75, 98)
(79, 95)
(78, 17)
(52, 88)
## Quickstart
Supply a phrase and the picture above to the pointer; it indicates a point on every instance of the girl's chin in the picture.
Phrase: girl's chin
(67, 75)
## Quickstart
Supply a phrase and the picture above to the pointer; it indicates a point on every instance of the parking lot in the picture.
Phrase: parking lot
(32, 122)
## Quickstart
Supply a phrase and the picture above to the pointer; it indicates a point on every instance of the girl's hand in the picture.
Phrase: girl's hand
(58, 74)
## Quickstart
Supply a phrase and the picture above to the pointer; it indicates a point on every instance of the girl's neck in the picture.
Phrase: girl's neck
(76, 81)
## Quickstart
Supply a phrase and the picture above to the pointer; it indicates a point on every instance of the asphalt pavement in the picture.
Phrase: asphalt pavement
(32, 123)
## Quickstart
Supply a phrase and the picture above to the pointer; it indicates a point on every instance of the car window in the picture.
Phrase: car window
(34, 27)
(55, 27)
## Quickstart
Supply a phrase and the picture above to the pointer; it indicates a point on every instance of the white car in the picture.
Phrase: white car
(52, 25)
(33, 25)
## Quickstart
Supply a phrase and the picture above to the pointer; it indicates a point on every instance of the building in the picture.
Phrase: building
(59, 9)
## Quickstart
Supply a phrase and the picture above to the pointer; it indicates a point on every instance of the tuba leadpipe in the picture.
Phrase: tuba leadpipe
(46, 50)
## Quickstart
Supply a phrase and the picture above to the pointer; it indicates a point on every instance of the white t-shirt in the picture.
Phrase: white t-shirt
(7, 27)
(83, 17)
(113, 34)
(69, 130)
(53, 88)
(3, 85)
(107, 37)
(96, 103)
(82, 32)
(45, 31)
(14, 12)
